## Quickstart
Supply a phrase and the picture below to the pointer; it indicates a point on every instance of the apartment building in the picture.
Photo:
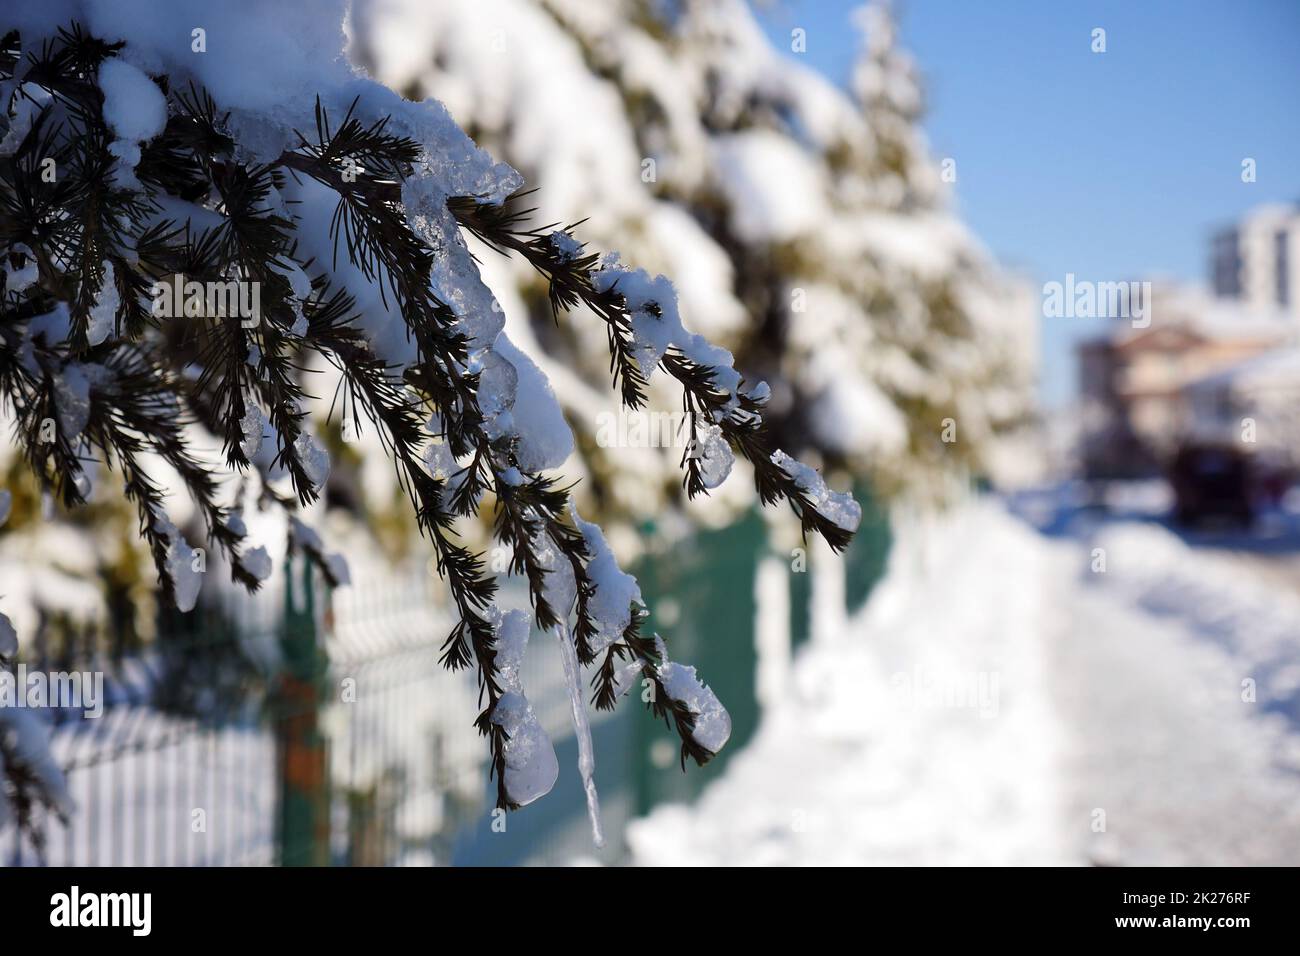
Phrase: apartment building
(1256, 261)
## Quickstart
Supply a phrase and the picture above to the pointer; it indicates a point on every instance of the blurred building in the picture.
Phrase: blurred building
(1256, 402)
(1207, 358)
(1136, 408)
(1256, 261)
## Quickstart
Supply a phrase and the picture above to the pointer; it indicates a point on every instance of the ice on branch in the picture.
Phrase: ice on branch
(183, 568)
(568, 247)
(836, 506)
(530, 765)
(712, 724)
(714, 455)
(253, 430)
(616, 592)
(439, 460)
(315, 460)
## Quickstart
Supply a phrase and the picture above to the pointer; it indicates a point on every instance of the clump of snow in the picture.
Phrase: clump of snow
(836, 506)
(714, 455)
(103, 313)
(712, 722)
(610, 606)
(531, 767)
(83, 476)
(187, 577)
(16, 280)
(253, 425)
(182, 568)
(315, 460)
(298, 280)
(258, 562)
(72, 391)
(134, 106)
(26, 104)
(652, 305)
(568, 247)
(455, 276)
(134, 109)
(439, 459)
(656, 324)
(533, 415)
(559, 586)
(305, 538)
(53, 326)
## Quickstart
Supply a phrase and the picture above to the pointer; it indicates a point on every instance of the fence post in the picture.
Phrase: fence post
(302, 765)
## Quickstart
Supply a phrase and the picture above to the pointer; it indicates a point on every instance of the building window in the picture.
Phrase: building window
(1227, 264)
(1281, 241)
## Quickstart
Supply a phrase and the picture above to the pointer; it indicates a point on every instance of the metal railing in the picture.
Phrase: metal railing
(326, 736)
(288, 730)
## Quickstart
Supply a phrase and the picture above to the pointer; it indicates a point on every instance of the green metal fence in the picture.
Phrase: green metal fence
(222, 743)
(321, 730)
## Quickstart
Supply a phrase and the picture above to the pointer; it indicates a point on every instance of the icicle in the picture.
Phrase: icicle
(582, 730)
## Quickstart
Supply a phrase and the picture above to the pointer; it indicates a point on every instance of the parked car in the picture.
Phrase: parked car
(1212, 482)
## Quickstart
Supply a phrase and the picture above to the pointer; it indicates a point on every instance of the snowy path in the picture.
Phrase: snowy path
(997, 693)
(1151, 682)
(1185, 771)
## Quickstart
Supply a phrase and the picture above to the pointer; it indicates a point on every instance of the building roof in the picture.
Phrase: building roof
(1274, 369)
(1193, 310)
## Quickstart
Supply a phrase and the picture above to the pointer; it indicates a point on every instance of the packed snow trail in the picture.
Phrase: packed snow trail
(924, 733)
(1000, 702)
(1180, 679)
(1163, 745)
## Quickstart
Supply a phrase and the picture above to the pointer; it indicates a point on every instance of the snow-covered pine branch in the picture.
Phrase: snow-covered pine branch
(148, 149)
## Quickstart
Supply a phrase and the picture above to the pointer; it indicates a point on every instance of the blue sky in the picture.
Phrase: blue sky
(1110, 166)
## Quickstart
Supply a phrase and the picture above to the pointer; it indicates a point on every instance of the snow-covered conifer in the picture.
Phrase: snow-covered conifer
(197, 202)
(806, 224)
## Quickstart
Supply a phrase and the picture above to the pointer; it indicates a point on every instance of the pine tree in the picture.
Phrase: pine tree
(808, 223)
(175, 264)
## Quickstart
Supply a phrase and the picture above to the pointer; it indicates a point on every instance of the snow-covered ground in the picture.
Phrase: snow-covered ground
(1002, 699)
